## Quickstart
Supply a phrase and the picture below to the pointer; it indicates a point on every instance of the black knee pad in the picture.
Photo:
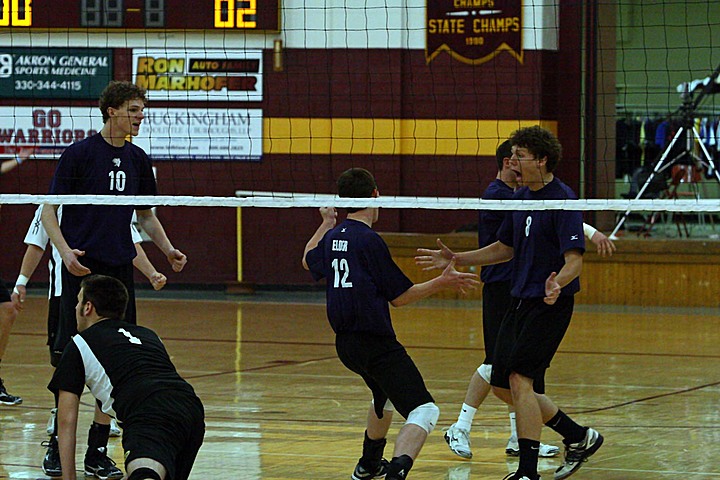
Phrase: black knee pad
(143, 473)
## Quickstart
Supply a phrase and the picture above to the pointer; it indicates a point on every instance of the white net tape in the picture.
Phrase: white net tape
(290, 200)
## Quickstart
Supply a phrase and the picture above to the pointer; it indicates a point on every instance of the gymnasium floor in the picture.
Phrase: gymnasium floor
(280, 405)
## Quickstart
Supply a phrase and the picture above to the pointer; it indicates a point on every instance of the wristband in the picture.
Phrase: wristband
(22, 280)
(589, 230)
(18, 160)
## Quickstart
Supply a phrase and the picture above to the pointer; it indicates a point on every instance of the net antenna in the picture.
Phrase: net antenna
(686, 115)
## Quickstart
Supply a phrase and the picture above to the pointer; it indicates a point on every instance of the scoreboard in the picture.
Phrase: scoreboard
(156, 15)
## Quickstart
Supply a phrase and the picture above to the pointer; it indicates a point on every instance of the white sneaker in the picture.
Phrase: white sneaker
(578, 453)
(50, 429)
(115, 430)
(546, 451)
(458, 440)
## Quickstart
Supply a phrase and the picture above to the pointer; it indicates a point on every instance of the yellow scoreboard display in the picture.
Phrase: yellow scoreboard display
(245, 15)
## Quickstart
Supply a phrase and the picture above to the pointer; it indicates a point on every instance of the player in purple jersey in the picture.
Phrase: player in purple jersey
(496, 301)
(96, 238)
(361, 280)
(547, 248)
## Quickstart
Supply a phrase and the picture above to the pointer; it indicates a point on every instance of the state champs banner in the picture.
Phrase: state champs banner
(473, 31)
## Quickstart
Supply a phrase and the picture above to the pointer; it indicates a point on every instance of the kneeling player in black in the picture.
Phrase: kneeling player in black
(131, 375)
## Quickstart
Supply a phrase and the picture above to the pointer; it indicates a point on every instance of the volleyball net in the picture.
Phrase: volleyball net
(264, 103)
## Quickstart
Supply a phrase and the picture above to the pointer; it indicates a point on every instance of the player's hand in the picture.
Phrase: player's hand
(18, 297)
(25, 153)
(459, 280)
(177, 260)
(605, 246)
(70, 259)
(552, 289)
(434, 259)
(158, 280)
(329, 215)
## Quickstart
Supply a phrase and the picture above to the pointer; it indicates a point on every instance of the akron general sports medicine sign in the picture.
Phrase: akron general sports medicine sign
(56, 73)
(199, 75)
(473, 31)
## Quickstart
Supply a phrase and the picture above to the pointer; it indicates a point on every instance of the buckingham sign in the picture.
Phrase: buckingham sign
(202, 134)
(57, 73)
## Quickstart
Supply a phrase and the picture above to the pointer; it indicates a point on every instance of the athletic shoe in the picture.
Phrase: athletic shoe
(361, 474)
(115, 430)
(97, 463)
(458, 439)
(515, 476)
(50, 429)
(578, 453)
(6, 398)
(546, 451)
(51, 463)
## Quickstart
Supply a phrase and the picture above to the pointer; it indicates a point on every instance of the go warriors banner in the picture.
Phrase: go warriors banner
(474, 31)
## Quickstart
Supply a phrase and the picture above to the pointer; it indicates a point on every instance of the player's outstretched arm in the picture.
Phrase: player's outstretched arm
(152, 226)
(438, 259)
(143, 263)
(449, 279)
(67, 415)
(329, 218)
(605, 246)
(69, 255)
(30, 261)
(569, 272)
(434, 259)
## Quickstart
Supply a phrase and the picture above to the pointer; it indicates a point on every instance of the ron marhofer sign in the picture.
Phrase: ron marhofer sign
(56, 73)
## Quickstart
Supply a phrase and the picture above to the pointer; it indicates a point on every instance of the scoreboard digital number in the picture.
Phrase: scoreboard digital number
(245, 15)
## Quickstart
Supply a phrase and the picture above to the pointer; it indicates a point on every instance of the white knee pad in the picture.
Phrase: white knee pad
(485, 371)
(425, 416)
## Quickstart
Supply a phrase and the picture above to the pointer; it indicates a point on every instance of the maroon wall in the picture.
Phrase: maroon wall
(340, 84)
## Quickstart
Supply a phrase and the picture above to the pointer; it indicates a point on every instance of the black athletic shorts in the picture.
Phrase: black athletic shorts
(387, 369)
(496, 300)
(528, 339)
(168, 427)
(67, 323)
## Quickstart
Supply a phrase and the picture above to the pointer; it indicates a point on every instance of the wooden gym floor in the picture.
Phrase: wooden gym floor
(280, 405)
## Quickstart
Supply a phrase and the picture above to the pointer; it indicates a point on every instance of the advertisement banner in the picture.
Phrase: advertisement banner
(49, 130)
(57, 73)
(473, 31)
(199, 75)
(202, 134)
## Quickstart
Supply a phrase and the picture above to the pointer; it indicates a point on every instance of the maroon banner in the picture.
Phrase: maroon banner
(473, 31)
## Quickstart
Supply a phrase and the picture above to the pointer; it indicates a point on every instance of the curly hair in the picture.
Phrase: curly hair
(540, 142)
(117, 93)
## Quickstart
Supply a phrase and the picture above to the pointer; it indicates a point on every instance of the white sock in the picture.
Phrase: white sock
(513, 426)
(467, 413)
